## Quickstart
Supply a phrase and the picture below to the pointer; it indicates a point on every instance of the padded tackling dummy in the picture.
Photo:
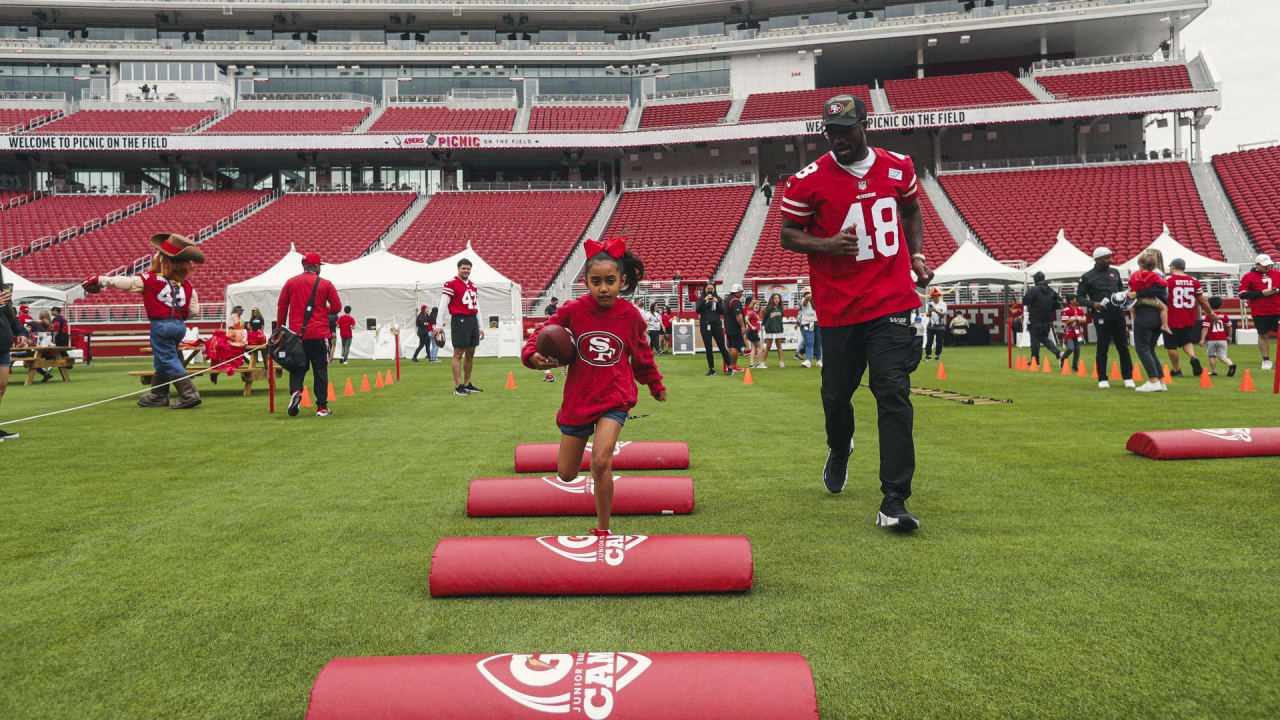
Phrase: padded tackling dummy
(589, 565)
(1206, 443)
(597, 686)
(627, 455)
(632, 495)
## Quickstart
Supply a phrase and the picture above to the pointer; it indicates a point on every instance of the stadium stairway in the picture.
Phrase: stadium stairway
(735, 111)
(522, 119)
(880, 99)
(1231, 236)
(1036, 89)
(733, 266)
(395, 231)
(370, 119)
(562, 283)
(956, 226)
(633, 117)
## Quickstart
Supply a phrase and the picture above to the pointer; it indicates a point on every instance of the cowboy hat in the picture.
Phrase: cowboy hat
(177, 247)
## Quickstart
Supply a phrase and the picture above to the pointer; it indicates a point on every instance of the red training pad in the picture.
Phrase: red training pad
(598, 686)
(587, 565)
(541, 457)
(632, 495)
(1205, 443)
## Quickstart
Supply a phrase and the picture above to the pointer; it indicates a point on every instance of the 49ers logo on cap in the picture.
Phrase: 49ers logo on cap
(611, 549)
(835, 109)
(561, 683)
(599, 348)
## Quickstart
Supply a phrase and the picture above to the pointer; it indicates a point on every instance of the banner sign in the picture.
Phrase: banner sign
(671, 136)
(682, 338)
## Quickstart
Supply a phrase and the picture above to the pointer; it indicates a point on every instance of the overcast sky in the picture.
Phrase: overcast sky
(1238, 37)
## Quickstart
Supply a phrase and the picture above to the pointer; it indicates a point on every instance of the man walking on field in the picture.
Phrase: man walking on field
(855, 213)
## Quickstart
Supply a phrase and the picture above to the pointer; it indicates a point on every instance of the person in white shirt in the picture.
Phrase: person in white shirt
(936, 325)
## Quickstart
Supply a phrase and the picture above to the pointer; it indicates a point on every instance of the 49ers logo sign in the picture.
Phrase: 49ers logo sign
(581, 484)
(610, 550)
(583, 684)
(599, 348)
(1230, 434)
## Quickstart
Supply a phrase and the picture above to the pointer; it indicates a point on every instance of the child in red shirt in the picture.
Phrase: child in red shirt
(1145, 278)
(613, 354)
(1214, 330)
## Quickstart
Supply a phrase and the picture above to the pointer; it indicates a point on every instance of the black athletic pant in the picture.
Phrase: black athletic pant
(889, 347)
(1146, 330)
(1040, 335)
(422, 345)
(934, 335)
(317, 350)
(713, 332)
(1111, 328)
(655, 340)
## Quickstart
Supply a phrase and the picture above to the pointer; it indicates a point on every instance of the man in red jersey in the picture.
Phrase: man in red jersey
(304, 306)
(463, 303)
(1261, 287)
(854, 212)
(1185, 295)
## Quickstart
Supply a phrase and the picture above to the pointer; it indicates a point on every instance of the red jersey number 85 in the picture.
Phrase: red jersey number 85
(883, 219)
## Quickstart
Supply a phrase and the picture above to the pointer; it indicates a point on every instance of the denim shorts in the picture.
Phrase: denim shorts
(5, 360)
(589, 428)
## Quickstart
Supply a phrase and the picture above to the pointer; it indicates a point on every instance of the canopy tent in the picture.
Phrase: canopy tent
(385, 291)
(1063, 261)
(26, 292)
(1170, 249)
(971, 264)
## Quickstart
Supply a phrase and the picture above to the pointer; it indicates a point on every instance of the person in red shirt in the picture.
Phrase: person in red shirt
(1016, 311)
(295, 307)
(24, 315)
(462, 301)
(1261, 287)
(854, 212)
(1185, 296)
(668, 317)
(1214, 332)
(1073, 320)
(612, 356)
(168, 299)
(345, 325)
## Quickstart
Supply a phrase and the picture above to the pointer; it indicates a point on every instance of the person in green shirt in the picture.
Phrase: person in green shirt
(773, 314)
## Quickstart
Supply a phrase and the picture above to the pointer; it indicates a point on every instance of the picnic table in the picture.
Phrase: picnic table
(254, 370)
(38, 361)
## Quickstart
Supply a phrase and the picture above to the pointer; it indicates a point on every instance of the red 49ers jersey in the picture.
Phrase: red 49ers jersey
(163, 299)
(463, 299)
(1076, 330)
(1217, 328)
(1254, 280)
(1184, 294)
(826, 198)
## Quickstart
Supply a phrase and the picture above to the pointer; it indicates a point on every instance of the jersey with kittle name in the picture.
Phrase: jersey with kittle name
(826, 197)
(1184, 293)
(463, 299)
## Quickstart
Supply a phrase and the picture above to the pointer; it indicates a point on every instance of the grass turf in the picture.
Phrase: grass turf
(208, 563)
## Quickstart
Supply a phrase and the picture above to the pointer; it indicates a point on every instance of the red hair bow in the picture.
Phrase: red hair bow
(615, 247)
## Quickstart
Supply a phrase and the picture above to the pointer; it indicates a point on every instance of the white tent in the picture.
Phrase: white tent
(971, 264)
(1170, 249)
(26, 292)
(385, 291)
(1064, 261)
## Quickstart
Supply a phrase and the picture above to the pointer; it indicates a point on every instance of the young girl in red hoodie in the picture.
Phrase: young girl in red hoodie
(613, 355)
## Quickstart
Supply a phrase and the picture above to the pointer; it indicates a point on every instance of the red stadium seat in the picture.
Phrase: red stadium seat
(1253, 184)
(682, 230)
(798, 103)
(994, 88)
(1141, 81)
(1017, 214)
(576, 118)
(441, 119)
(685, 114)
(276, 122)
(49, 216)
(125, 122)
(525, 235)
(15, 118)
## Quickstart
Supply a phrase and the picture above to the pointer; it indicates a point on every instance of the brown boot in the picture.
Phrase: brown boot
(159, 395)
(187, 395)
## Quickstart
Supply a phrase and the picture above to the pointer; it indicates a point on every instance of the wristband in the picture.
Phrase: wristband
(918, 255)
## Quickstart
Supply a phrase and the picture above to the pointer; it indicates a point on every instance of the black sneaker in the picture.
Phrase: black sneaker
(1177, 373)
(893, 513)
(8, 436)
(295, 400)
(1231, 371)
(461, 390)
(835, 473)
(1195, 367)
(472, 388)
(711, 373)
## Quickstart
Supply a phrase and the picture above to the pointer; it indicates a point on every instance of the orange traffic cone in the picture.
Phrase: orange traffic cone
(348, 391)
(1047, 367)
(389, 380)
(1035, 365)
(1137, 375)
(364, 384)
(1166, 377)
(1247, 384)
(1081, 372)
(1115, 371)
(942, 371)
(332, 395)
(511, 380)
(1019, 363)
(746, 378)
(1094, 374)
(1066, 368)
(306, 398)
(378, 382)
(1205, 382)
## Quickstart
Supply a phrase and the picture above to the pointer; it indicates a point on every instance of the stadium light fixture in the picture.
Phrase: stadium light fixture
(933, 42)
(964, 39)
(342, 67)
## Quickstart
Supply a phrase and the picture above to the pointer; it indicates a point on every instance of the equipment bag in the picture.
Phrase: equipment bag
(285, 345)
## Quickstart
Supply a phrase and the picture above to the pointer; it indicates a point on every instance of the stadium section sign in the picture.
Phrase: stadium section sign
(671, 136)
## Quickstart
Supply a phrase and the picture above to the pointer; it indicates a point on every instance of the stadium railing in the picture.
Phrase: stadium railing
(1101, 61)
(616, 99)
(701, 180)
(1057, 161)
(527, 185)
(700, 93)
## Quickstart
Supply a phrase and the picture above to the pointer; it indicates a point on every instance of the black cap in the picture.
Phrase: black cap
(844, 110)
(1178, 263)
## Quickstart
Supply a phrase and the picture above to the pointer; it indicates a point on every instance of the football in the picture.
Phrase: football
(438, 338)
(554, 342)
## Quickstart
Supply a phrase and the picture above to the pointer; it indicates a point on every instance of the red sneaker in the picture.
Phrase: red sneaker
(599, 533)
(735, 368)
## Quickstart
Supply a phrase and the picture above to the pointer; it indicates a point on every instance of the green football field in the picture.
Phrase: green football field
(207, 563)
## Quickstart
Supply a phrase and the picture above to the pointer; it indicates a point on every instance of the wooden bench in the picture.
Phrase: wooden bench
(254, 371)
(36, 362)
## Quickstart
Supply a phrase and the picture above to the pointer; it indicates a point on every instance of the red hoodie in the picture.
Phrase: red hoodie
(613, 355)
(292, 306)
